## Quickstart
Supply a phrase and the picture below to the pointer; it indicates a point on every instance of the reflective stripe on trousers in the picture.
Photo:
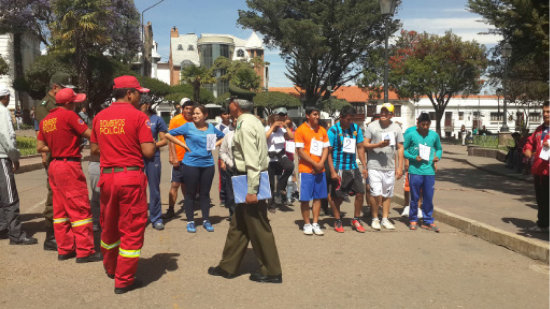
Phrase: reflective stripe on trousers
(60, 220)
(129, 253)
(110, 246)
(81, 222)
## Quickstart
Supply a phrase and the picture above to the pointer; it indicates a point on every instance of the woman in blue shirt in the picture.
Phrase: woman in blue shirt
(153, 166)
(198, 164)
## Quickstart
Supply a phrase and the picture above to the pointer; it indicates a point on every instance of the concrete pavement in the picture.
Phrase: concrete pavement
(377, 269)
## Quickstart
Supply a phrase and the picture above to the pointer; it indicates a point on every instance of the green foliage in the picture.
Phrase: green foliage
(332, 105)
(37, 78)
(222, 99)
(240, 72)
(26, 145)
(157, 87)
(273, 99)
(321, 41)
(4, 69)
(196, 76)
(241, 93)
(178, 92)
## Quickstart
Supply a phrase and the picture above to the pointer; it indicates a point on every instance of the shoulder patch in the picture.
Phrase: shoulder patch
(44, 102)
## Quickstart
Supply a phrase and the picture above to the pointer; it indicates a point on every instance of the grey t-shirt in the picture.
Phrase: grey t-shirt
(383, 159)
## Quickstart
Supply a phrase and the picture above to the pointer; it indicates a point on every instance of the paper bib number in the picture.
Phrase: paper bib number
(316, 147)
(349, 145)
(210, 142)
(390, 137)
(290, 147)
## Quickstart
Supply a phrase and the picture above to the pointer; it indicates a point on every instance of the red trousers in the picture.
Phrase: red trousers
(123, 219)
(71, 208)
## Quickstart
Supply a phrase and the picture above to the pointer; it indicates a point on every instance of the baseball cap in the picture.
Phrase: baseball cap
(182, 101)
(67, 95)
(280, 110)
(128, 81)
(62, 79)
(388, 106)
(4, 92)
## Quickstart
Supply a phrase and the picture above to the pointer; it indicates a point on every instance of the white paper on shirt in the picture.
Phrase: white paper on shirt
(349, 145)
(210, 142)
(545, 153)
(290, 147)
(389, 136)
(316, 147)
(424, 152)
(279, 139)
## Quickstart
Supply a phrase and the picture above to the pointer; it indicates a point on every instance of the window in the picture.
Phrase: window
(190, 47)
(460, 115)
(224, 51)
(397, 110)
(496, 116)
(371, 110)
(240, 53)
(180, 47)
(359, 108)
(432, 116)
(534, 117)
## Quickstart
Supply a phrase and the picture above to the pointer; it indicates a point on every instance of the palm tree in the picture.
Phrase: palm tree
(197, 76)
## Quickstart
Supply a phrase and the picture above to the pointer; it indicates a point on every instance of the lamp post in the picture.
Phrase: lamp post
(142, 38)
(387, 8)
(506, 53)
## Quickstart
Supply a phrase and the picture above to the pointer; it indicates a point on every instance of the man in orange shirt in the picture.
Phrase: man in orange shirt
(176, 154)
(312, 146)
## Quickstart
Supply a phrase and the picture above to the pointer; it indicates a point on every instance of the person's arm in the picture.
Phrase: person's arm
(361, 156)
(438, 149)
(288, 134)
(407, 146)
(400, 161)
(224, 153)
(162, 140)
(41, 146)
(273, 127)
(148, 149)
(528, 147)
(219, 136)
(176, 141)
(87, 133)
(94, 148)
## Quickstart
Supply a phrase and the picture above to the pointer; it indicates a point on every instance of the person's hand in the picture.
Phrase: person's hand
(277, 124)
(251, 198)
(418, 158)
(174, 162)
(435, 166)
(384, 143)
(398, 173)
(436, 159)
(364, 173)
(546, 144)
(223, 166)
(15, 166)
(334, 176)
(44, 159)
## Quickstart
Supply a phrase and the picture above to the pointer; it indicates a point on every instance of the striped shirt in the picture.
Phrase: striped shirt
(341, 159)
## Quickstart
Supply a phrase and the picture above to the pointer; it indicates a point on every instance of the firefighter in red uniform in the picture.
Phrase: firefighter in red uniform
(121, 136)
(60, 132)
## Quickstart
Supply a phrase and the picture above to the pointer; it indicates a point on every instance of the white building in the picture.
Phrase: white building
(476, 111)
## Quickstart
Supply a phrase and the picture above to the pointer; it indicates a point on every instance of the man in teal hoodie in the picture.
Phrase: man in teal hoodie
(423, 149)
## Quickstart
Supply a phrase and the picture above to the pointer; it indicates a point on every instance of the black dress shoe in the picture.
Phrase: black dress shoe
(50, 243)
(25, 240)
(218, 271)
(63, 257)
(258, 277)
(169, 214)
(96, 257)
(125, 289)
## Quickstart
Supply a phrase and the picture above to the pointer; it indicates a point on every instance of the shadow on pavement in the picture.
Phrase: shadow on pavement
(249, 263)
(524, 225)
(153, 268)
(32, 227)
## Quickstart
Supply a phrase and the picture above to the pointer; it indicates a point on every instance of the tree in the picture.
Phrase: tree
(240, 73)
(321, 41)
(333, 105)
(196, 76)
(438, 67)
(273, 99)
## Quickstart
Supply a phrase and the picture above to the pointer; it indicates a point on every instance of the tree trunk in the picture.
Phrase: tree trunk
(196, 91)
(438, 116)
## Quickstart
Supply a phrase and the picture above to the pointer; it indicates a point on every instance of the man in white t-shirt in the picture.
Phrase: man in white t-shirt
(277, 133)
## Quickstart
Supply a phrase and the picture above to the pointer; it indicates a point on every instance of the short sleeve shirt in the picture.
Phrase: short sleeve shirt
(196, 140)
(177, 122)
(276, 141)
(61, 130)
(303, 137)
(119, 130)
(336, 136)
(157, 125)
(383, 159)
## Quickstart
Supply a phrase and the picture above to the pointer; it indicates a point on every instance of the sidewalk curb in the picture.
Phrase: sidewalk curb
(535, 249)
(36, 166)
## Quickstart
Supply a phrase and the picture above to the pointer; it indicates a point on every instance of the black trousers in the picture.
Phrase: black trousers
(284, 167)
(9, 202)
(541, 193)
(201, 178)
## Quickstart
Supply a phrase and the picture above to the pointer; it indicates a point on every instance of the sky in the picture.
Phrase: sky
(220, 16)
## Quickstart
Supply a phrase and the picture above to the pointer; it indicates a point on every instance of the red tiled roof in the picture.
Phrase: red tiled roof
(348, 93)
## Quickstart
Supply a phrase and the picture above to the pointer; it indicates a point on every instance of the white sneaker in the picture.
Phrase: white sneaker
(308, 229)
(405, 212)
(419, 215)
(387, 224)
(375, 224)
(317, 229)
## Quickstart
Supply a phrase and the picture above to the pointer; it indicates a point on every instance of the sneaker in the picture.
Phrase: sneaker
(159, 226)
(430, 227)
(405, 212)
(375, 224)
(191, 227)
(308, 229)
(338, 226)
(537, 229)
(357, 225)
(317, 229)
(207, 226)
(387, 224)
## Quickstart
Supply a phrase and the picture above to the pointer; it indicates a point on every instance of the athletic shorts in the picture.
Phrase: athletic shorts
(381, 183)
(312, 187)
(177, 174)
(351, 182)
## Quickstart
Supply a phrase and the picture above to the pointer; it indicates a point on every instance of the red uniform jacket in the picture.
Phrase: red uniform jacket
(540, 167)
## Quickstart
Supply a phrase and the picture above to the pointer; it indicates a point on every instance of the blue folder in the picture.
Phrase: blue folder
(240, 188)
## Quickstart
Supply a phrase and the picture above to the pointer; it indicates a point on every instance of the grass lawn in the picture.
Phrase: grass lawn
(26, 145)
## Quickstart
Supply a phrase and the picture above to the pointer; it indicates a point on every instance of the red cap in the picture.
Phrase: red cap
(67, 95)
(128, 81)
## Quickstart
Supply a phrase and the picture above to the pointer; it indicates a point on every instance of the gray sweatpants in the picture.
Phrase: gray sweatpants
(93, 175)
(9, 201)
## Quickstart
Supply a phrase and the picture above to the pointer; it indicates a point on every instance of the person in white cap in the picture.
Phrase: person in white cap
(10, 224)
(384, 145)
